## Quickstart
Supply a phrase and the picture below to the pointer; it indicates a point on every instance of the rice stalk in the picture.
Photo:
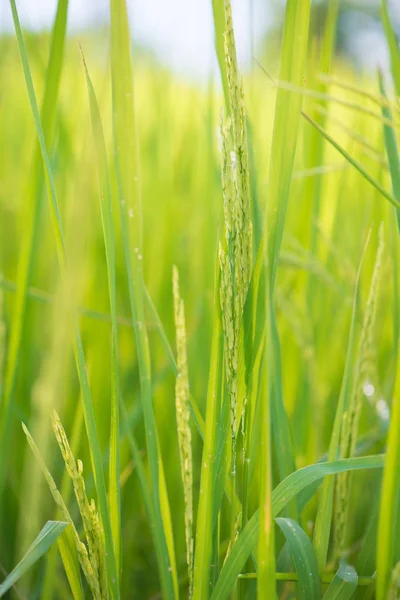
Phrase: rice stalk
(182, 403)
(236, 259)
(364, 366)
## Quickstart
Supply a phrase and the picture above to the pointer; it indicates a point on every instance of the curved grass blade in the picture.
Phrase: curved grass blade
(354, 162)
(392, 151)
(109, 244)
(31, 215)
(343, 585)
(305, 562)
(282, 494)
(46, 538)
(78, 346)
(129, 191)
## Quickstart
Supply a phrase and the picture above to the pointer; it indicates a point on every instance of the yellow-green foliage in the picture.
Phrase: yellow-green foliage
(186, 213)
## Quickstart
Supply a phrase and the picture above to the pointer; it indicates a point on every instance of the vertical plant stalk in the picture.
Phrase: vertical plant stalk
(107, 220)
(182, 403)
(389, 499)
(388, 526)
(205, 529)
(126, 148)
(314, 156)
(236, 259)
(266, 577)
(283, 150)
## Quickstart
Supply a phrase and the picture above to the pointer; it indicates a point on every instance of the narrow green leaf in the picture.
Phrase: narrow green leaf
(282, 494)
(128, 178)
(392, 151)
(283, 149)
(204, 532)
(46, 538)
(343, 585)
(286, 124)
(67, 547)
(305, 562)
(266, 583)
(388, 516)
(354, 163)
(109, 243)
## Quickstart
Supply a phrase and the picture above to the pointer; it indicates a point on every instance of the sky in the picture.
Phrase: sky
(180, 32)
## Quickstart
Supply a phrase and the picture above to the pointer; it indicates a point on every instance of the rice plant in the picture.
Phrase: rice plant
(236, 426)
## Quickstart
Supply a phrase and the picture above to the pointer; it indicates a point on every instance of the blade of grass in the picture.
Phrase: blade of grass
(392, 151)
(67, 547)
(354, 163)
(204, 532)
(283, 149)
(109, 244)
(305, 562)
(387, 520)
(46, 538)
(31, 218)
(266, 584)
(343, 585)
(78, 346)
(282, 494)
(129, 190)
(388, 517)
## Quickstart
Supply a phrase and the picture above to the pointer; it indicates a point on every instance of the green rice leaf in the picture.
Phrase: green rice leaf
(343, 585)
(129, 191)
(388, 512)
(46, 538)
(205, 527)
(305, 562)
(282, 494)
(354, 163)
(392, 151)
(67, 547)
(109, 243)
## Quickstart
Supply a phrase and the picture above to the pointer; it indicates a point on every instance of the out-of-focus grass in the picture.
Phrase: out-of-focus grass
(331, 209)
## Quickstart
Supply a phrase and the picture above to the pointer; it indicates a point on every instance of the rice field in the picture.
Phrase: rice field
(199, 319)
